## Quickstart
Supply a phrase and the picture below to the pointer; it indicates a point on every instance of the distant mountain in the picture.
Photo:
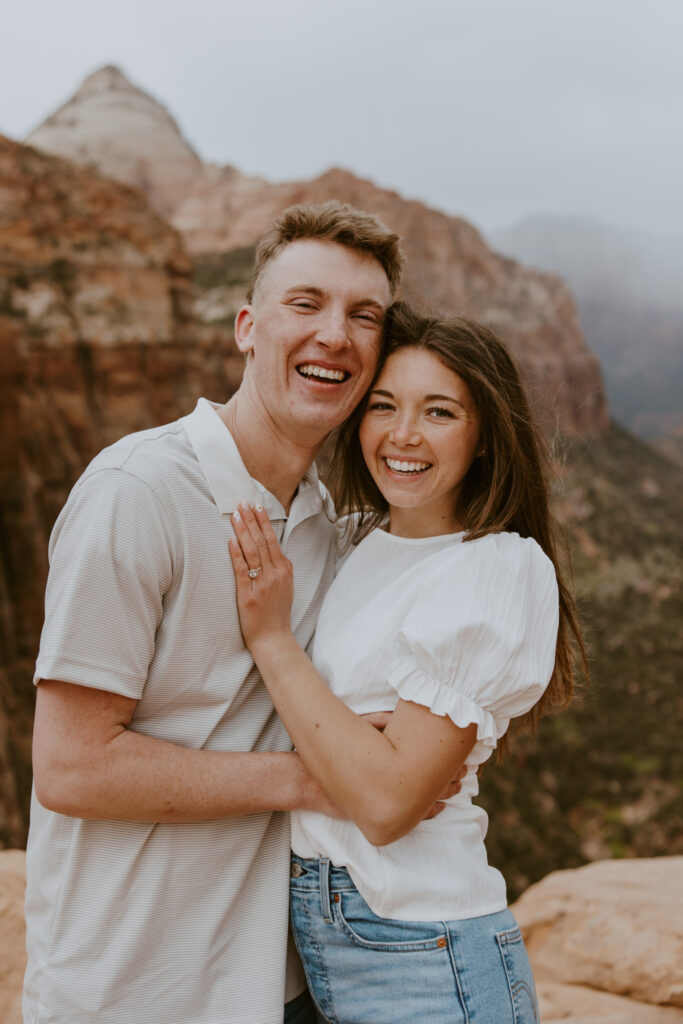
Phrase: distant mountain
(629, 287)
(218, 210)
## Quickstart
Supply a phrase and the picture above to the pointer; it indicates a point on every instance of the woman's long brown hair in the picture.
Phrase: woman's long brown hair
(505, 489)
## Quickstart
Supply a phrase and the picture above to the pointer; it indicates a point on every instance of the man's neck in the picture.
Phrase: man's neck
(278, 463)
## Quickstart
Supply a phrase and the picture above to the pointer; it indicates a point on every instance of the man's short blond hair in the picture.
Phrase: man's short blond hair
(333, 222)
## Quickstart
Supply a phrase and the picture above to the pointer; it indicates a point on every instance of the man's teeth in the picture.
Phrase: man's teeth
(406, 467)
(311, 370)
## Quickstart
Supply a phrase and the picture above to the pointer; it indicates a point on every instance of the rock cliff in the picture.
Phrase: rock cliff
(217, 210)
(96, 340)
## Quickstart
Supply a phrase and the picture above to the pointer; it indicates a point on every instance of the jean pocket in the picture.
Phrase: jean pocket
(519, 976)
(369, 931)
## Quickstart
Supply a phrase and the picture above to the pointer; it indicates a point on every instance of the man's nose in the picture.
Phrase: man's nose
(333, 332)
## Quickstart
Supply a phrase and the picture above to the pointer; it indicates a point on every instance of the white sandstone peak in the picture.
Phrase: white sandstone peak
(126, 134)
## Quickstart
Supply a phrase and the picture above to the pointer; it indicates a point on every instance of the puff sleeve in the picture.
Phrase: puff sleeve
(478, 644)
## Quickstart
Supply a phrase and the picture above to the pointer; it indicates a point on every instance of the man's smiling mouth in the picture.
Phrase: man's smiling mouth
(311, 371)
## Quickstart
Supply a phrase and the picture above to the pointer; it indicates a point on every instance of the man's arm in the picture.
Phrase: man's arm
(87, 763)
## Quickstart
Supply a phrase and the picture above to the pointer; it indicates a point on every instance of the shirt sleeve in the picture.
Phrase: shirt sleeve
(111, 562)
(479, 642)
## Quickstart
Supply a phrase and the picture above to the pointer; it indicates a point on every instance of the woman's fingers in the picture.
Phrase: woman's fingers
(272, 543)
(238, 561)
(250, 537)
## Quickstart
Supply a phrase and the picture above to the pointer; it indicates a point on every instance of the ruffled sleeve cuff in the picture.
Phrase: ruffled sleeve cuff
(412, 684)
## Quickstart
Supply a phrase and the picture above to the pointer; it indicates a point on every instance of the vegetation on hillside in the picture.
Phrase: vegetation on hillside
(605, 777)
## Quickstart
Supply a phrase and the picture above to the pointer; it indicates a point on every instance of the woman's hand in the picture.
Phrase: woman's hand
(264, 579)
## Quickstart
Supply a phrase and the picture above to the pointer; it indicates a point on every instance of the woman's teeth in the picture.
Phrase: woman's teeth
(406, 467)
(311, 370)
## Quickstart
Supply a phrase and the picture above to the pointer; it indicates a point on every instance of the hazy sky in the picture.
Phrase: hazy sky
(493, 109)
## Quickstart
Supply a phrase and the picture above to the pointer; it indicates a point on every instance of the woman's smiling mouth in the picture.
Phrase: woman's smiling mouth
(406, 466)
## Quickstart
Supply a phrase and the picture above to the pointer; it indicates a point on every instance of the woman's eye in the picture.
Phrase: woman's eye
(379, 406)
(441, 413)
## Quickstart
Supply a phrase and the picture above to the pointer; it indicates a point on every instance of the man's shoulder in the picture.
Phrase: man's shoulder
(150, 455)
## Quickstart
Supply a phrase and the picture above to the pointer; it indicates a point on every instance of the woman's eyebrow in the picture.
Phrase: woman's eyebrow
(443, 398)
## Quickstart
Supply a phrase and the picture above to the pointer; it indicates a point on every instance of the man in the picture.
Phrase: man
(158, 857)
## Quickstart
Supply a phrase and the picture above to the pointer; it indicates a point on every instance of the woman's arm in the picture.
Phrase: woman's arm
(384, 781)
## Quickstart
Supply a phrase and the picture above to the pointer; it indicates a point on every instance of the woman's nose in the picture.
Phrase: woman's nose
(405, 431)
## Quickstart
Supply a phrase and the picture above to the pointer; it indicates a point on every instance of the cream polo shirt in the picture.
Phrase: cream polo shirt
(134, 923)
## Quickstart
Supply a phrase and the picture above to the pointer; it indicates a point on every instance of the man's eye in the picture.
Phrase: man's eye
(370, 318)
(303, 304)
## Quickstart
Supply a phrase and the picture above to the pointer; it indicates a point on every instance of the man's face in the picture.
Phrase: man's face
(313, 334)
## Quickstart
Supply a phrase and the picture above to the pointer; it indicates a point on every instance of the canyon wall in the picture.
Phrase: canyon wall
(96, 340)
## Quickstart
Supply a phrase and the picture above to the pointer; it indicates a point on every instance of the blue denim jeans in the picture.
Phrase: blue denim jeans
(364, 969)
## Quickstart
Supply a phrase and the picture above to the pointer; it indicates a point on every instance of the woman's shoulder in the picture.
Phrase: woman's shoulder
(502, 555)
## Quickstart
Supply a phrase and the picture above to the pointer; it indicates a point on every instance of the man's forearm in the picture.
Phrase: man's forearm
(89, 764)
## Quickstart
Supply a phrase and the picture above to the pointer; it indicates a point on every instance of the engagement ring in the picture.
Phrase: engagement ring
(253, 573)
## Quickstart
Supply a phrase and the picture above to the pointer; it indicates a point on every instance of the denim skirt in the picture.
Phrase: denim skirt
(364, 969)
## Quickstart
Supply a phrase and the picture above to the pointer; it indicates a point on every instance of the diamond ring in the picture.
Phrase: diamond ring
(253, 573)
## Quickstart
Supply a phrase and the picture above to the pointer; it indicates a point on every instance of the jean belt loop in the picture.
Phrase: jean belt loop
(325, 907)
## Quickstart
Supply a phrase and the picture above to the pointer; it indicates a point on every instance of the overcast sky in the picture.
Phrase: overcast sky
(493, 109)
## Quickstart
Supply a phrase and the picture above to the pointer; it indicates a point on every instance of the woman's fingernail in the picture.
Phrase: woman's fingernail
(236, 515)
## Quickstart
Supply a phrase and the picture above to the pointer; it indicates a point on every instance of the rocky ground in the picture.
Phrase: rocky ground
(606, 941)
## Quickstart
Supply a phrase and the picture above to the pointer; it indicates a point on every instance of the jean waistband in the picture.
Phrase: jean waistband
(310, 874)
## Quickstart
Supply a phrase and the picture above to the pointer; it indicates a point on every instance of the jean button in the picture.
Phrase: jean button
(297, 870)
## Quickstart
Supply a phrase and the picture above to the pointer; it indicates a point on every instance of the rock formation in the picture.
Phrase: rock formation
(126, 134)
(219, 210)
(12, 934)
(450, 267)
(606, 942)
(96, 340)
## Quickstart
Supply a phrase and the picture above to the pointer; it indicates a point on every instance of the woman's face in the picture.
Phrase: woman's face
(419, 436)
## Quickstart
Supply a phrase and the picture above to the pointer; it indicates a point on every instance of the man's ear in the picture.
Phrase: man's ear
(244, 323)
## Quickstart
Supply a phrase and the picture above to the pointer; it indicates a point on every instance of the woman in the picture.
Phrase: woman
(450, 611)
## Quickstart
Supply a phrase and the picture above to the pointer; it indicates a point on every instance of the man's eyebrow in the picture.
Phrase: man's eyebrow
(310, 289)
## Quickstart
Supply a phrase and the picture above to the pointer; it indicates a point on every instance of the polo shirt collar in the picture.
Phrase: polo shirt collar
(227, 476)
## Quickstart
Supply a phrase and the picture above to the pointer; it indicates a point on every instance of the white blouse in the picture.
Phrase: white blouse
(467, 629)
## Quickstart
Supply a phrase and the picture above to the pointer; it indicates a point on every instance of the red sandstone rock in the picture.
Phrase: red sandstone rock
(96, 340)
(130, 136)
(612, 928)
(450, 268)
(12, 934)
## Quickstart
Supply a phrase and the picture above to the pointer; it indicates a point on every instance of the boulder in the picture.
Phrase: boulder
(12, 934)
(606, 941)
